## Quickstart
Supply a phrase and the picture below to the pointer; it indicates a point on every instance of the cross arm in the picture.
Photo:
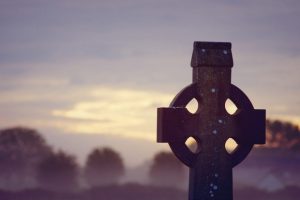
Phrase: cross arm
(250, 126)
(174, 124)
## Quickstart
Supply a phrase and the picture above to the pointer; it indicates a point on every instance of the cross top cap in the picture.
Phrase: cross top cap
(212, 54)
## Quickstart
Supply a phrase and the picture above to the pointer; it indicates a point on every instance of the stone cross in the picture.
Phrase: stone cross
(211, 125)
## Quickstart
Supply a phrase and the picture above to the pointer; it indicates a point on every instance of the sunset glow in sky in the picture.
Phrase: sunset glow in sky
(103, 67)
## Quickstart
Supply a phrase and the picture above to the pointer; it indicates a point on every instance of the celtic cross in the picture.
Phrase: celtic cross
(211, 125)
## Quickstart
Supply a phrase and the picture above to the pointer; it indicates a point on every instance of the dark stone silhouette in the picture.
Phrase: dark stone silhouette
(21, 149)
(211, 126)
(166, 170)
(104, 166)
(58, 172)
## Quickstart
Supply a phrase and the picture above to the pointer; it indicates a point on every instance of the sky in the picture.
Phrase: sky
(103, 67)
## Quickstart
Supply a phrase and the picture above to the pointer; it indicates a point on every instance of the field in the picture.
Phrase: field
(136, 191)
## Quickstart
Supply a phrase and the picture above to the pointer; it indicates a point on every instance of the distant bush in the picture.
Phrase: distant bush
(58, 172)
(103, 166)
(21, 149)
(166, 170)
(283, 135)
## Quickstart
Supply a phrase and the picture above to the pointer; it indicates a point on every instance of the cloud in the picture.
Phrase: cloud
(54, 104)
(117, 111)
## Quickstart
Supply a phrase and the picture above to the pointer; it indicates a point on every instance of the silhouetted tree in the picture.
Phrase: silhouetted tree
(21, 149)
(167, 170)
(58, 172)
(283, 135)
(103, 166)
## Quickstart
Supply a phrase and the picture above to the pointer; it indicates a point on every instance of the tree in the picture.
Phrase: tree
(58, 172)
(166, 170)
(21, 149)
(283, 135)
(103, 166)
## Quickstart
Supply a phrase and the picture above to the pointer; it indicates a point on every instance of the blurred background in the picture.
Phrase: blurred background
(81, 81)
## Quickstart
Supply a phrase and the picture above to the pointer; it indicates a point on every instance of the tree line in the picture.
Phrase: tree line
(284, 135)
(27, 161)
